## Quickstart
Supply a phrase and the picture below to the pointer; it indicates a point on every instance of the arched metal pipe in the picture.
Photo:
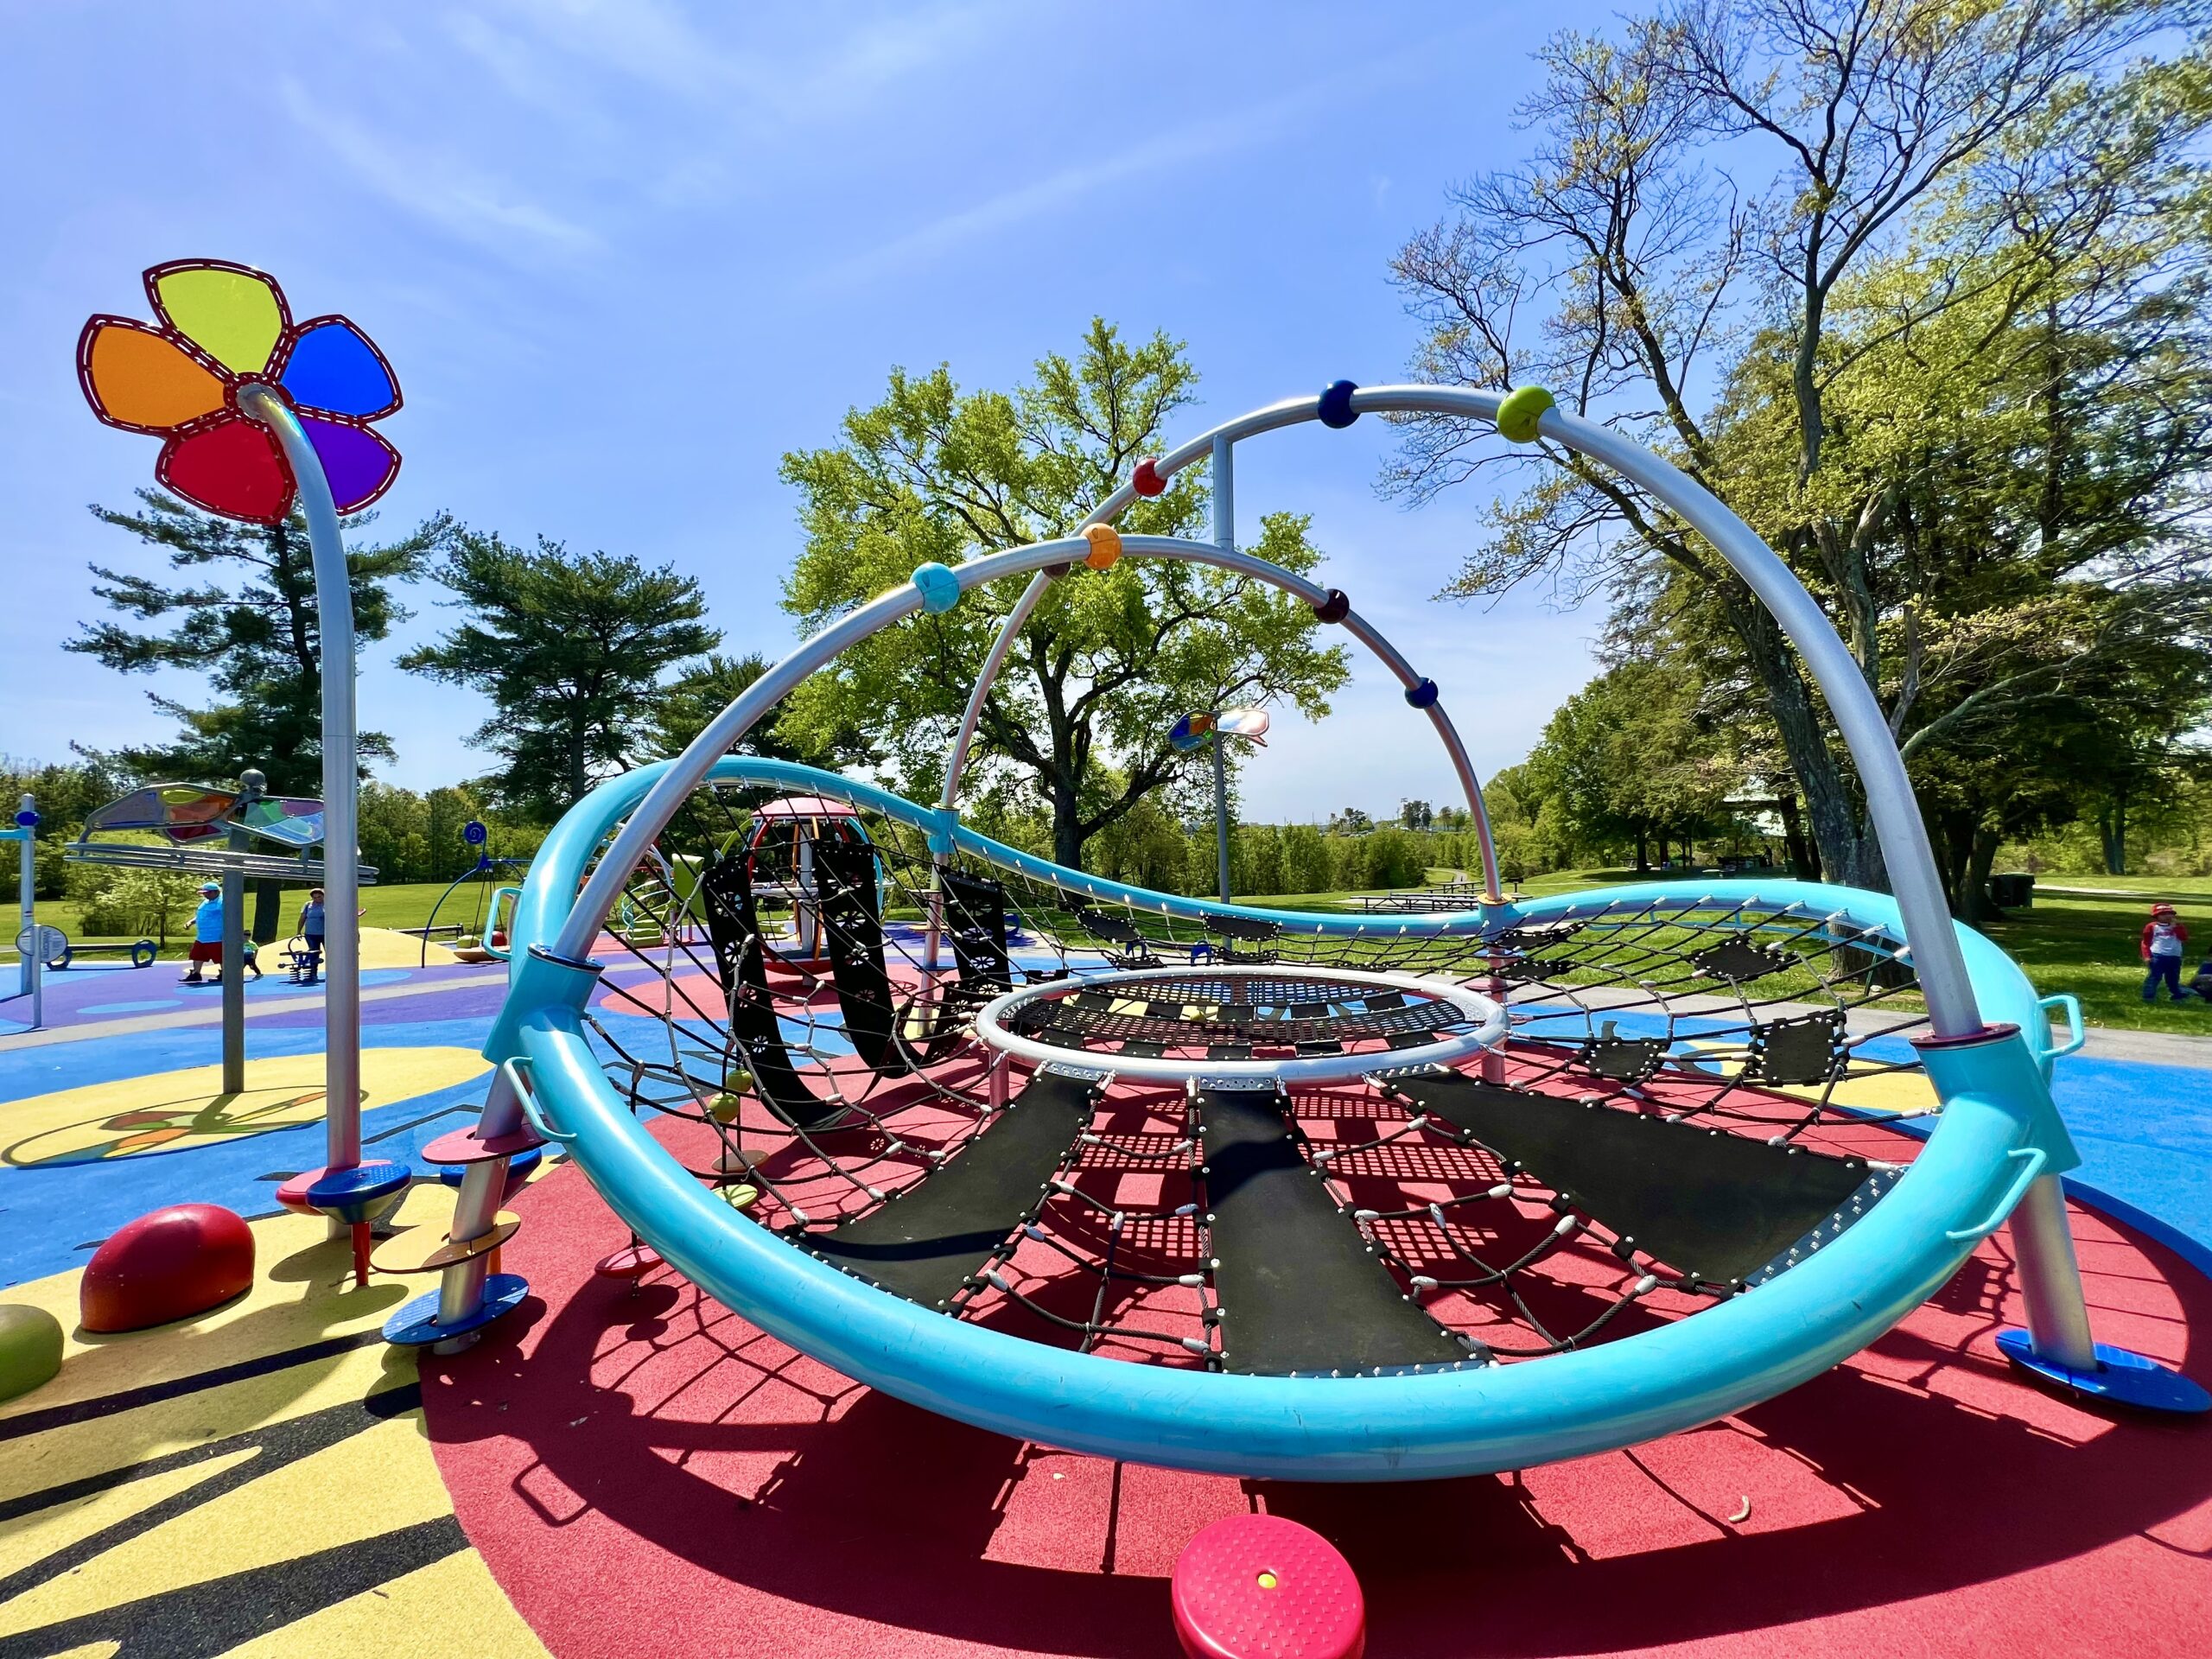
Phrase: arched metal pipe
(689, 769)
(1949, 992)
(1896, 815)
(1217, 446)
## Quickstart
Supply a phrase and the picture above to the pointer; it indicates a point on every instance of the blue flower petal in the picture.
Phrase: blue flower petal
(333, 367)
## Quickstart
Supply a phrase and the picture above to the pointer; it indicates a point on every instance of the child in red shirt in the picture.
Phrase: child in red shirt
(2164, 939)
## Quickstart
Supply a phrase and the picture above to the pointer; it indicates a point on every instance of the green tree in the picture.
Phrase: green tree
(246, 620)
(704, 688)
(145, 902)
(1306, 865)
(1109, 659)
(67, 793)
(1993, 156)
(1628, 762)
(572, 653)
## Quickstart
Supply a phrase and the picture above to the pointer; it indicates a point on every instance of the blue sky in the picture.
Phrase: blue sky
(625, 255)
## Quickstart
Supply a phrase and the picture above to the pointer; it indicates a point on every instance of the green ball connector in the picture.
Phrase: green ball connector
(1518, 414)
(725, 1107)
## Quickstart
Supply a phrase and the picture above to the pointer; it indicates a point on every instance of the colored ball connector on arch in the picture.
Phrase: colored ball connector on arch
(1146, 480)
(938, 587)
(1335, 607)
(1335, 412)
(1105, 546)
(1518, 414)
(1422, 696)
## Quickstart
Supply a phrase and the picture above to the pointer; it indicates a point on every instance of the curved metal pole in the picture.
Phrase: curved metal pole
(689, 769)
(1903, 834)
(341, 842)
(1216, 445)
(1952, 1009)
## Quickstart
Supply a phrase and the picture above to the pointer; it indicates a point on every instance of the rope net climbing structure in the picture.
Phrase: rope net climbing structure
(1685, 1103)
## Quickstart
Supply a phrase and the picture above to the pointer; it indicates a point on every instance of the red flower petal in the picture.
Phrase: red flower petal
(232, 467)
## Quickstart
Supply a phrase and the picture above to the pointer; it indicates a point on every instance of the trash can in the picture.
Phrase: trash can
(2015, 890)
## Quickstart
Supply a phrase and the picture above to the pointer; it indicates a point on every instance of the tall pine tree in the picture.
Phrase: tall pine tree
(244, 617)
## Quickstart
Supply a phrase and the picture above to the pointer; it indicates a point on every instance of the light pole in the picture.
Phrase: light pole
(1192, 731)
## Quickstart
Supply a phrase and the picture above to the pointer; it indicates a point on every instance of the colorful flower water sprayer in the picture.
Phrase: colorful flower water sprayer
(259, 415)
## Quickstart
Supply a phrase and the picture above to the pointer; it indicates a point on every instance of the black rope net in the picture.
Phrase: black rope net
(1694, 1094)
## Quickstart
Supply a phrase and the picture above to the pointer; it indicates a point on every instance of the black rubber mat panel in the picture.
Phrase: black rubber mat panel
(1298, 1290)
(734, 925)
(845, 883)
(923, 1244)
(1713, 1205)
(974, 923)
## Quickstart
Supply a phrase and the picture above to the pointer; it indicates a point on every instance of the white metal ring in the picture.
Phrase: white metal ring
(1487, 1017)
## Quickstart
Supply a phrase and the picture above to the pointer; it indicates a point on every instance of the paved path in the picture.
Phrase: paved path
(2152, 1047)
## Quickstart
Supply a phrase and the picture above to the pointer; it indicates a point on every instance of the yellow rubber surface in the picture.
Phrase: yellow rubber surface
(254, 1481)
(169, 1111)
(381, 947)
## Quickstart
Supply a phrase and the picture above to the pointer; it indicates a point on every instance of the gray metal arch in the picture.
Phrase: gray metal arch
(1218, 444)
(1897, 824)
(1952, 1007)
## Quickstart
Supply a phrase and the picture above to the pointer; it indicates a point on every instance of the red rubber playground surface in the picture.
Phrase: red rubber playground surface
(648, 1474)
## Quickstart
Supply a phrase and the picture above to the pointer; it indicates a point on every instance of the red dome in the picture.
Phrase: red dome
(169, 1264)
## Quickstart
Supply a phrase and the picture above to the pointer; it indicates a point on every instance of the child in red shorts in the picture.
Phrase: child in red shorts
(206, 932)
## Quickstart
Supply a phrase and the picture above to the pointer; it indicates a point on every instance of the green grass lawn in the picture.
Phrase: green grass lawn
(2090, 947)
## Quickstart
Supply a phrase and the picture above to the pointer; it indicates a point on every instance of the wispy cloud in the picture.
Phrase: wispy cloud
(437, 186)
(656, 43)
(1181, 146)
(1053, 193)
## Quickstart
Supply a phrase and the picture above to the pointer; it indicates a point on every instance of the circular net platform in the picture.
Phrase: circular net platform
(1285, 1024)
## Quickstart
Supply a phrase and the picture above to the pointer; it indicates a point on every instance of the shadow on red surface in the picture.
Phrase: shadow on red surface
(640, 1469)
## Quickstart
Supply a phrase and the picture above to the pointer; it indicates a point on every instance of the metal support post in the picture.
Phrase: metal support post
(1220, 811)
(476, 1208)
(250, 786)
(27, 894)
(2050, 1278)
(1224, 495)
(341, 846)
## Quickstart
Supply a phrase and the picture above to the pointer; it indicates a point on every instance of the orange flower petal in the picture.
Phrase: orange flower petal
(140, 379)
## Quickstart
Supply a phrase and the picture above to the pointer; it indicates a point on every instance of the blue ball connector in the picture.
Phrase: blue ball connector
(1422, 696)
(938, 587)
(1337, 412)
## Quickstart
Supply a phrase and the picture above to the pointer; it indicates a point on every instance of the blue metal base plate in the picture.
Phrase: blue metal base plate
(2122, 1377)
(415, 1324)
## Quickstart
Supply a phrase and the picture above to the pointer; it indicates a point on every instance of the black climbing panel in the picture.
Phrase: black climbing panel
(975, 924)
(734, 927)
(924, 1244)
(1713, 1205)
(1809, 1049)
(1298, 1290)
(844, 884)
